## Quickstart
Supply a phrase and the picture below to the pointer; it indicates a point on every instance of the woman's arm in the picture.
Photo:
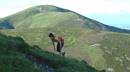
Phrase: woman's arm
(53, 44)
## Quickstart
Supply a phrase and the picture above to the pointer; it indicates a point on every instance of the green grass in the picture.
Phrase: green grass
(79, 44)
(11, 57)
(61, 64)
(96, 56)
(51, 19)
(14, 49)
(116, 51)
(34, 26)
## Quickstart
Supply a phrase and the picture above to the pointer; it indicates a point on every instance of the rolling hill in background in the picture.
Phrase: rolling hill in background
(99, 45)
(52, 16)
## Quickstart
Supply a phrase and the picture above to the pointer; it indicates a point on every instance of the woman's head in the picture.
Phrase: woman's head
(51, 35)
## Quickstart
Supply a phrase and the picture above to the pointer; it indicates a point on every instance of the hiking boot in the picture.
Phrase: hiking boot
(63, 53)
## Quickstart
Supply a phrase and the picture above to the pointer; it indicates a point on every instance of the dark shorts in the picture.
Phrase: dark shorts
(59, 46)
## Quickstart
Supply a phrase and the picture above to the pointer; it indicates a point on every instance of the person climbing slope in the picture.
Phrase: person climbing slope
(60, 43)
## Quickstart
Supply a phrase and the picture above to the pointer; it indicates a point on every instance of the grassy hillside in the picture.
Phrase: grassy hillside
(17, 56)
(11, 57)
(102, 50)
(25, 17)
(52, 16)
(86, 40)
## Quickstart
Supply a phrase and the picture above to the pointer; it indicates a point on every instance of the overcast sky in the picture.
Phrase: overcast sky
(111, 12)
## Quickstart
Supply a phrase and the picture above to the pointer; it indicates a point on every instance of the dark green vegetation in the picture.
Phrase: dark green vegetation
(11, 55)
(13, 52)
(85, 39)
(5, 24)
(51, 16)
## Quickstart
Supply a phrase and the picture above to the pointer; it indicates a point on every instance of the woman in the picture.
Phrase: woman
(60, 42)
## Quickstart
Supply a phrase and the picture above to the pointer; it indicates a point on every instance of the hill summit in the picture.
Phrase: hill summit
(52, 16)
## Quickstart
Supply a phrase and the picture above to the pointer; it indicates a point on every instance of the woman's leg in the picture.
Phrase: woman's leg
(58, 47)
(62, 46)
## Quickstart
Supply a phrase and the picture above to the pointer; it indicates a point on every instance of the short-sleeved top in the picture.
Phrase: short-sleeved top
(59, 39)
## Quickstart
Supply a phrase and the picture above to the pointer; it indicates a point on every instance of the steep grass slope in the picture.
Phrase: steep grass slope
(102, 50)
(52, 16)
(17, 56)
(11, 55)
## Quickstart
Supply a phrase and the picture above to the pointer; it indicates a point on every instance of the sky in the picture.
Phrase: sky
(110, 12)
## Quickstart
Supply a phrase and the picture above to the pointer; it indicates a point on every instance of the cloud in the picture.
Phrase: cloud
(84, 7)
(94, 6)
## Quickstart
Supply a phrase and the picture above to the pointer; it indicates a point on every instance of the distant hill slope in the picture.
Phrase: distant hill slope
(17, 56)
(52, 16)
